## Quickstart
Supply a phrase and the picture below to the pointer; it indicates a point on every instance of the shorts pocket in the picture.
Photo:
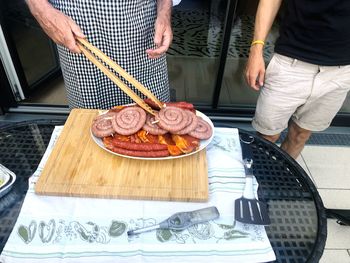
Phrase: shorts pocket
(272, 67)
(342, 79)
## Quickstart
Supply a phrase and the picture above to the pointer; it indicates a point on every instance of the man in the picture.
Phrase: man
(135, 34)
(307, 79)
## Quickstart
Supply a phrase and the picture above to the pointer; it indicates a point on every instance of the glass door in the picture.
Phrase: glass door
(31, 57)
(234, 90)
(206, 59)
(194, 55)
(235, 95)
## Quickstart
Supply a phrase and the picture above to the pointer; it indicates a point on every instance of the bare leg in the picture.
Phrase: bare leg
(295, 140)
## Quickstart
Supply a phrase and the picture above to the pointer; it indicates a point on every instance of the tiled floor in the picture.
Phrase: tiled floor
(328, 166)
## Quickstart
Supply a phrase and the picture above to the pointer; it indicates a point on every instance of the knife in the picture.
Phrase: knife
(182, 220)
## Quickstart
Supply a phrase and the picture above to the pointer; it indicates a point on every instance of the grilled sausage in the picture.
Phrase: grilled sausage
(151, 154)
(145, 146)
(181, 104)
(151, 103)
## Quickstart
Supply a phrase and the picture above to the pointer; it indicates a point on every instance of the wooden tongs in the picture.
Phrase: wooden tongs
(93, 53)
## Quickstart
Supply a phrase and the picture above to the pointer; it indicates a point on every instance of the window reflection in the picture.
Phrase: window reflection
(194, 54)
(234, 90)
(193, 58)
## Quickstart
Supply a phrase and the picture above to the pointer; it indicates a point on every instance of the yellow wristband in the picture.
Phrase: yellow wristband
(257, 42)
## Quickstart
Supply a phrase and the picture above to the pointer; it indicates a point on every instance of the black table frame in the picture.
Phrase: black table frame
(281, 180)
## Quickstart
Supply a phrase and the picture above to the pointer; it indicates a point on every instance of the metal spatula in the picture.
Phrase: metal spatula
(182, 220)
(248, 209)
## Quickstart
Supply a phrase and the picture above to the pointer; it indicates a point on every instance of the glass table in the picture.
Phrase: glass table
(298, 227)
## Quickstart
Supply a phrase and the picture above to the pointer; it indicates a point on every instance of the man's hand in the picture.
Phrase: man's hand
(265, 15)
(163, 36)
(255, 69)
(59, 27)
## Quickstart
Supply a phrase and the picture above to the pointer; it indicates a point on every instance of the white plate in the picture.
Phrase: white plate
(202, 145)
(8, 178)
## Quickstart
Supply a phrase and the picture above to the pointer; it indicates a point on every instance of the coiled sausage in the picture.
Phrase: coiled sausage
(203, 130)
(192, 122)
(102, 125)
(152, 127)
(172, 119)
(129, 120)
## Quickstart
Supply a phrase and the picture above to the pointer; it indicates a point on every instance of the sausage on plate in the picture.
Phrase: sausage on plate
(102, 125)
(203, 130)
(145, 146)
(154, 154)
(129, 120)
(152, 127)
(172, 119)
(192, 122)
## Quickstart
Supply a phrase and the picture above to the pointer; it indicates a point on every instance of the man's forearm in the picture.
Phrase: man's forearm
(265, 15)
(38, 7)
(164, 8)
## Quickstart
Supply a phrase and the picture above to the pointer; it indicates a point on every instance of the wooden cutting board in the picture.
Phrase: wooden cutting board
(77, 166)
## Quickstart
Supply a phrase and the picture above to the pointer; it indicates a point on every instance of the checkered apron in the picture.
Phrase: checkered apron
(123, 30)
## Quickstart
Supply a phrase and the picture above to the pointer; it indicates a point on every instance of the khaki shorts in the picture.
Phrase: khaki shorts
(309, 94)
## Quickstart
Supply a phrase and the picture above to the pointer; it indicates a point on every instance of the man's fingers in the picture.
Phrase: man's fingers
(246, 76)
(251, 80)
(153, 53)
(255, 76)
(75, 28)
(162, 42)
(261, 78)
(167, 38)
(70, 42)
(158, 35)
(74, 48)
(61, 29)
(76, 31)
(160, 50)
